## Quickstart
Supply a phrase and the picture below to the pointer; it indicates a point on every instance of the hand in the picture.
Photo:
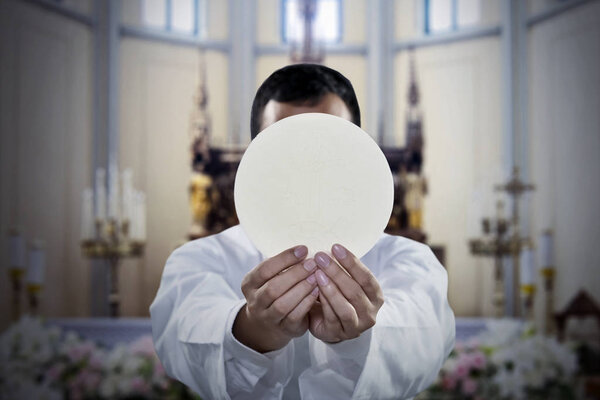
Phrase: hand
(350, 297)
(279, 292)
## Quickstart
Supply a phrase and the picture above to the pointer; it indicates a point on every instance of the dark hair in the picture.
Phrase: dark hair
(302, 84)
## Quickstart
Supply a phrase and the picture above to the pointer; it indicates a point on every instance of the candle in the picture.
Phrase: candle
(87, 214)
(141, 210)
(527, 267)
(37, 261)
(100, 193)
(547, 249)
(16, 249)
(127, 200)
(113, 192)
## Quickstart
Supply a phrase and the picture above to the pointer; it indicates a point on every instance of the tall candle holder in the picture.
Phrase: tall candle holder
(16, 270)
(548, 273)
(118, 235)
(35, 275)
(16, 277)
(505, 242)
(528, 287)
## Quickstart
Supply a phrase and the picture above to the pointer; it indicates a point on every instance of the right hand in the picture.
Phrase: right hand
(279, 293)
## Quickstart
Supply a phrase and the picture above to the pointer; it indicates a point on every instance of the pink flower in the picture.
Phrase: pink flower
(55, 371)
(80, 351)
(478, 360)
(448, 383)
(463, 366)
(469, 386)
(139, 385)
(144, 346)
(459, 347)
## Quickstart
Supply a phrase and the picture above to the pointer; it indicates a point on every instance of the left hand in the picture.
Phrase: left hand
(349, 299)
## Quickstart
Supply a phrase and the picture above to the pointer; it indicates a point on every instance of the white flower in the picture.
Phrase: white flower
(510, 384)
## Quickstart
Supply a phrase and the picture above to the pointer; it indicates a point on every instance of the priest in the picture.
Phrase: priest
(233, 324)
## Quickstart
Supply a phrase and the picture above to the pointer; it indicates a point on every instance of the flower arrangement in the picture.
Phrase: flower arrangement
(507, 362)
(41, 362)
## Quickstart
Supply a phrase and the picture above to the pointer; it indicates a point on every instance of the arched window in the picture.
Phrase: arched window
(327, 26)
(450, 15)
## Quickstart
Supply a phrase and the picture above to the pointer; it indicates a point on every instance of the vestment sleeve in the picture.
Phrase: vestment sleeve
(192, 317)
(403, 353)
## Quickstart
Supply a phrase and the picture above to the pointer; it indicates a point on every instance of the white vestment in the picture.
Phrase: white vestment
(200, 295)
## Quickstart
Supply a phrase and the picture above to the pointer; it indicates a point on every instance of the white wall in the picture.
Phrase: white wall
(45, 153)
(564, 127)
(158, 84)
(461, 103)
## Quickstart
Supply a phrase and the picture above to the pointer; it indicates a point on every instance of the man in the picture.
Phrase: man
(231, 324)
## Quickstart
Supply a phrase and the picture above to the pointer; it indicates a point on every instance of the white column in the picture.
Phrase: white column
(242, 15)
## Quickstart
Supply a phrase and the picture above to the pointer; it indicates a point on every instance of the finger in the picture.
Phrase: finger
(346, 314)
(361, 274)
(282, 282)
(283, 305)
(351, 290)
(296, 316)
(328, 313)
(274, 265)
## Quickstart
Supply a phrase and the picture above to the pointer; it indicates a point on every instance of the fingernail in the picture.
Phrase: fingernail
(311, 279)
(339, 251)
(309, 264)
(322, 278)
(322, 259)
(300, 251)
(315, 291)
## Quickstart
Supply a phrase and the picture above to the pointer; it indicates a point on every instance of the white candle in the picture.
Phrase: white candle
(113, 192)
(16, 250)
(100, 193)
(37, 264)
(127, 201)
(546, 249)
(527, 267)
(141, 209)
(87, 214)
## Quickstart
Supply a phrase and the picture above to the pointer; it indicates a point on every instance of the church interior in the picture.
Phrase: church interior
(123, 122)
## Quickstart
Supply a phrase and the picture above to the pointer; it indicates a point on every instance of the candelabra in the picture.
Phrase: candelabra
(506, 242)
(119, 235)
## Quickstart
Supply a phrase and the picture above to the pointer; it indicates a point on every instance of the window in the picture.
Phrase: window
(327, 27)
(450, 15)
(180, 16)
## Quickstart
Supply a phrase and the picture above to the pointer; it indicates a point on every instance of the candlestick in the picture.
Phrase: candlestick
(16, 251)
(35, 274)
(548, 272)
(528, 287)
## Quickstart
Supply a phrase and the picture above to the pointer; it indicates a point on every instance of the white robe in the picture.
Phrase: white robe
(200, 295)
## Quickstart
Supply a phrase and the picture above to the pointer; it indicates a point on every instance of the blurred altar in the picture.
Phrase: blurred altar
(123, 123)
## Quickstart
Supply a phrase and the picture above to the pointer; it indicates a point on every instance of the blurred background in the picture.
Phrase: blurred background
(135, 113)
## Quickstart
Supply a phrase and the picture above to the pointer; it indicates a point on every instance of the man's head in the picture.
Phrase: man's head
(302, 88)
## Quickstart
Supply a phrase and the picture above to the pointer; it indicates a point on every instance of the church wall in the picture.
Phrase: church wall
(158, 84)
(461, 103)
(564, 129)
(46, 147)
